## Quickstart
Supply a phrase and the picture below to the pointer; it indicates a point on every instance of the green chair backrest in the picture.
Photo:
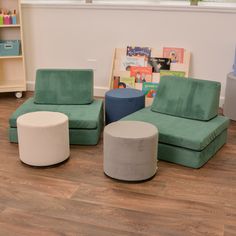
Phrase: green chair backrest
(63, 86)
(187, 97)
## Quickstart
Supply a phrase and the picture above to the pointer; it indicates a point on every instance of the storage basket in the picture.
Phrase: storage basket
(9, 47)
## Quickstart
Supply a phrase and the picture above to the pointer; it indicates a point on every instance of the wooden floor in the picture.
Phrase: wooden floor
(76, 198)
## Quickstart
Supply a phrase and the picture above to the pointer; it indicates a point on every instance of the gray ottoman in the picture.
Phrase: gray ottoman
(130, 150)
(229, 108)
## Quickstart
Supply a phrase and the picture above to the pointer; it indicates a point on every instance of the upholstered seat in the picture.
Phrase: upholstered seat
(80, 116)
(181, 132)
(69, 92)
(185, 113)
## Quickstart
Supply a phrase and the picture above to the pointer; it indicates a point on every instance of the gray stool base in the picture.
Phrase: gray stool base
(130, 150)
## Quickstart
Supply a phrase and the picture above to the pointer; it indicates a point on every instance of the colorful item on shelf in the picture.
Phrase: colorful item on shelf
(13, 18)
(7, 18)
(1, 18)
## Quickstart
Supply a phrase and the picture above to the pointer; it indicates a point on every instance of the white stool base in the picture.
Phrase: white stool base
(43, 141)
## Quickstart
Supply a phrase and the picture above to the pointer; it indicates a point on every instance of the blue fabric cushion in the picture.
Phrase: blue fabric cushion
(122, 102)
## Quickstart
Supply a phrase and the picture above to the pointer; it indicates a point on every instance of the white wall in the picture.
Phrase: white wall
(68, 37)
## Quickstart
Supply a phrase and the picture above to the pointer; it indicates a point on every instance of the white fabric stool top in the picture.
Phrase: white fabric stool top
(130, 150)
(43, 138)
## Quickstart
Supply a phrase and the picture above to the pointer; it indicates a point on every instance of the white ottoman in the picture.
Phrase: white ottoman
(130, 150)
(43, 138)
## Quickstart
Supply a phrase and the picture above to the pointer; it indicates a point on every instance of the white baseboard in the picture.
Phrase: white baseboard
(222, 101)
(100, 91)
(30, 85)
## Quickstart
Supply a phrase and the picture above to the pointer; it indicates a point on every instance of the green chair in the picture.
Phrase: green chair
(185, 111)
(69, 92)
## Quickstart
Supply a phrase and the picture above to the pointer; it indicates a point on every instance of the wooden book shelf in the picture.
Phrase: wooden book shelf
(120, 53)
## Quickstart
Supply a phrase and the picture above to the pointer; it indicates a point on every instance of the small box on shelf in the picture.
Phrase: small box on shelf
(9, 47)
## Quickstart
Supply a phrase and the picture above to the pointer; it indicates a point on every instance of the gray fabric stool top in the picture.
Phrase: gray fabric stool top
(130, 150)
(229, 108)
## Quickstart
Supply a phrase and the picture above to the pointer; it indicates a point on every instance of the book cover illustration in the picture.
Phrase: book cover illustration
(172, 73)
(138, 51)
(141, 74)
(127, 82)
(175, 54)
(127, 62)
(150, 89)
(139, 86)
(158, 63)
(115, 82)
(155, 77)
(123, 82)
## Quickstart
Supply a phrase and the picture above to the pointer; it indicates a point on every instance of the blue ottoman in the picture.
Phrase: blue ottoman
(122, 102)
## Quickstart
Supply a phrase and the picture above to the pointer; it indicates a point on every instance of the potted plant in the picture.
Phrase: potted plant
(194, 2)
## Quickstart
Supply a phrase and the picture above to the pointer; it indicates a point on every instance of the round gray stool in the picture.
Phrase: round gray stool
(229, 108)
(130, 150)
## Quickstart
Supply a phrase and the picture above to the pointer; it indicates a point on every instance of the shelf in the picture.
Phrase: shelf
(10, 26)
(12, 85)
(12, 68)
(11, 57)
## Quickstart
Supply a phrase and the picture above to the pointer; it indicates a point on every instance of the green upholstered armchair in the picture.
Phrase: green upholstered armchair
(69, 92)
(185, 111)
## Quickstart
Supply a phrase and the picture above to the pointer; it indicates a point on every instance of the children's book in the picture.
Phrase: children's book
(127, 62)
(115, 82)
(123, 82)
(138, 51)
(150, 89)
(127, 82)
(139, 86)
(172, 73)
(155, 77)
(158, 64)
(141, 74)
(175, 54)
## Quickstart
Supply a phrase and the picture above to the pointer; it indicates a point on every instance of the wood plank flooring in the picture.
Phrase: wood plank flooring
(76, 198)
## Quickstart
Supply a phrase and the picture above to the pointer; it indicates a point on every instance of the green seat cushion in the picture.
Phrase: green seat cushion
(182, 132)
(190, 158)
(80, 116)
(187, 97)
(63, 86)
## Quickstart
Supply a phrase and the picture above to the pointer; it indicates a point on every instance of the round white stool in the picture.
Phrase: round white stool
(130, 150)
(43, 138)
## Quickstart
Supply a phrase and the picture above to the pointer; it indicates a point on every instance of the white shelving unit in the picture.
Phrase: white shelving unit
(12, 68)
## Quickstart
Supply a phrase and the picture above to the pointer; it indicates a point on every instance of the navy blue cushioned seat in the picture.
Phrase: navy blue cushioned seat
(122, 102)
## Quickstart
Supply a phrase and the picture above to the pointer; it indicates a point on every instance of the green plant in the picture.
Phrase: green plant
(194, 2)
